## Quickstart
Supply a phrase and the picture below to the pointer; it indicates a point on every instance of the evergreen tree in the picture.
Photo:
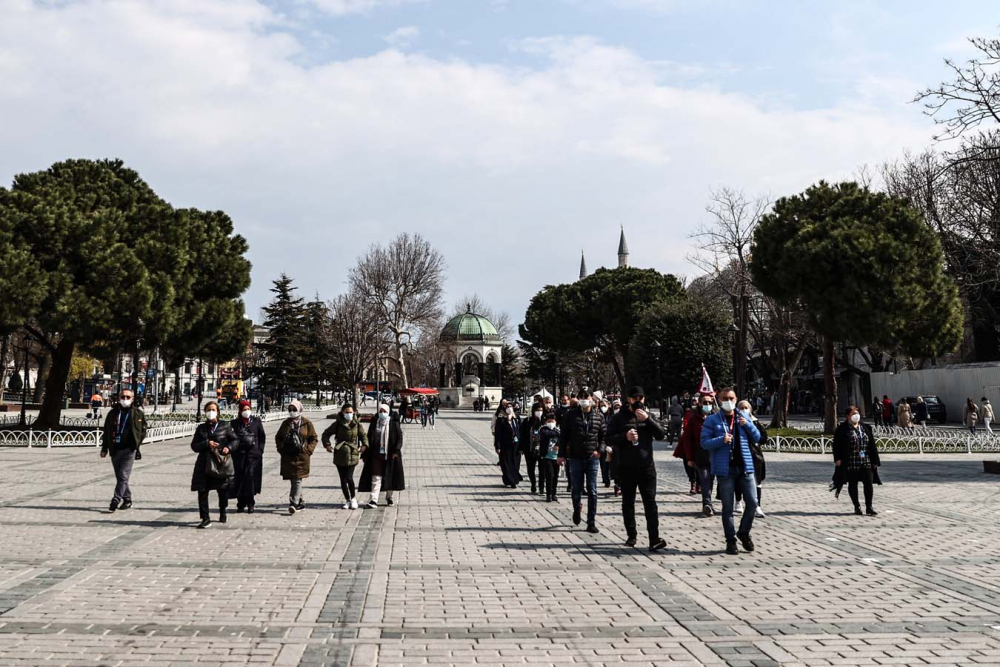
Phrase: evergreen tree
(286, 348)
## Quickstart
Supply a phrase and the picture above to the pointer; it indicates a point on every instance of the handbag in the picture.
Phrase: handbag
(219, 466)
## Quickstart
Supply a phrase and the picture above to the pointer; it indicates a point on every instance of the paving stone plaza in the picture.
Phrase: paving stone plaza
(465, 572)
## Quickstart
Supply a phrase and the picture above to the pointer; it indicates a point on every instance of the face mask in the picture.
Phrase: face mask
(211, 415)
(509, 411)
(293, 413)
(245, 414)
(727, 406)
(383, 416)
(604, 409)
(855, 419)
(538, 414)
(565, 405)
(125, 402)
(585, 403)
(551, 425)
(348, 416)
(707, 409)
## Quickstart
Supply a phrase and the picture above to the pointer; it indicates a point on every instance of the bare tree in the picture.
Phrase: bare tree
(402, 284)
(972, 97)
(355, 338)
(500, 319)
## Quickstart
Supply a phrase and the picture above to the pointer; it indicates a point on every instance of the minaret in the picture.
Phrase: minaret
(583, 266)
(622, 250)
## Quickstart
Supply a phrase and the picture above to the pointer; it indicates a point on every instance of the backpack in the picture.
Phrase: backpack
(292, 444)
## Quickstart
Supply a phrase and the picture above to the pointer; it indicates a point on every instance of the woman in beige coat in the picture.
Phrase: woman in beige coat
(904, 415)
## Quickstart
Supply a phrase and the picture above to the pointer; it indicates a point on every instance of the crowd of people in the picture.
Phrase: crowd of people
(584, 439)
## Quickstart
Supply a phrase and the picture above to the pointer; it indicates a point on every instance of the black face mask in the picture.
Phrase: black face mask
(638, 405)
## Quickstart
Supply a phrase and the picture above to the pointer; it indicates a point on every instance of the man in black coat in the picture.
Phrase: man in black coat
(581, 446)
(631, 433)
(124, 432)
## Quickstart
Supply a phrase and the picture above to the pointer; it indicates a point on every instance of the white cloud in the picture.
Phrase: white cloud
(402, 37)
(344, 7)
(498, 166)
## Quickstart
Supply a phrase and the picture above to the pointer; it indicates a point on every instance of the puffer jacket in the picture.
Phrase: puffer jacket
(713, 439)
(347, 441)
(581, 434)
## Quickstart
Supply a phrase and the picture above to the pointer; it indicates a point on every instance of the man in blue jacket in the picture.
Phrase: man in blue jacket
(727, 436)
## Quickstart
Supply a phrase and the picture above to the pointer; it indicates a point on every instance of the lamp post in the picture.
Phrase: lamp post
(733, 330)
(24, 388)
(659, 388)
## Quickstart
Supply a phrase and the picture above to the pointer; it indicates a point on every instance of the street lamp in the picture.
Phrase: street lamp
(24, 388)
(659, 387)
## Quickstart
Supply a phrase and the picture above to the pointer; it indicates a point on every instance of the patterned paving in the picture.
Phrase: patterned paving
(465, 572)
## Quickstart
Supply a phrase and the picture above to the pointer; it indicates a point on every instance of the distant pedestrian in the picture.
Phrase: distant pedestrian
(214, 469)
(123, 435)
(905, 415)
(506, 442)
(383, 458)
(248, 457)
(987, 414)
(694, 455)
(888, 410)
(877, 411)
(606, 414)
(856, 458)
(920, 412)
(759, 464)
(96, 403)
(971, 417)
(631, 433)
(581, 446)
(728, 435)
(296, 441)
(548, 455)
(349, 437)
(529, 445)
(675, 414)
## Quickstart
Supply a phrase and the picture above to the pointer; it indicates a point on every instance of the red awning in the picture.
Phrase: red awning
(423, 391)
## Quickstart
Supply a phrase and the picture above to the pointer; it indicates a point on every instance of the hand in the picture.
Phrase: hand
(225, 450)
(104, 453)
(498, 452)
(596, 455)
(641, 415)
(743, 422)
(328, 448)
(838, 464)
(395, 456)
(213, 444)
(561, 461)
(632, 435)
(728, 439)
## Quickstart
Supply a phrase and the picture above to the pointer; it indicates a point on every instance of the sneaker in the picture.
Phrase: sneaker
(576, 515)
(388, 501)
(354, 503)
(658, 545)
(731, 548)
(205, 523)
(738, 508)
(113, 507)
(694, 489)
(127, 504)
(707, 510)
(747, 542)
(760, 513)
(301, 506)
(871, 511)
(347, 505)
(592, 528)
(291, 508)
(630, 542)
(371, 504)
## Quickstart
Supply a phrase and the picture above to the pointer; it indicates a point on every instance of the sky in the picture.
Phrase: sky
(512, 134)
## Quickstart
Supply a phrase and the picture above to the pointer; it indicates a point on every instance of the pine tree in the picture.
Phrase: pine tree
(286, 347)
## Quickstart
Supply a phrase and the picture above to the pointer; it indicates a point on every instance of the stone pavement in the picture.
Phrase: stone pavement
(465, 572)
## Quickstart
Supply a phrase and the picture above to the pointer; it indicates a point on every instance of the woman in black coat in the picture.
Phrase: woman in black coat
(856, 458)
(383, 458)
(528, 444)
(507, 439)
(212, 438)
(248, 457)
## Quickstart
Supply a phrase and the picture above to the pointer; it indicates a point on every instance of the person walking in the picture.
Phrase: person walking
(728, 435)
(987, 413)
(631, 434)
(920, 412)
(123, 435)
(690, 407)
(904, 416)
(856, 458)
(548, 455)
(581, 445)
(877, 411)
(606, 414)
(675, 415)
(507, 440)
(888, 410)
(383, 458)
(529, 445)
(248, 457)
(694, 454)
(759, 465)
(296, 441)
(96, 403)
(349, 436)
(971, 416)
(214, 469)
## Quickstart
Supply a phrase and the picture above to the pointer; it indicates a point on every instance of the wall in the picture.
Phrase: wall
(952, 384)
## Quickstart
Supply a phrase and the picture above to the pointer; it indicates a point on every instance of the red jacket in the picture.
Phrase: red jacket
(689, 446)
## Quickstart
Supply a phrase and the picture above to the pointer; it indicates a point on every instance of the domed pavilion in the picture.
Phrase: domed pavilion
(475, 348)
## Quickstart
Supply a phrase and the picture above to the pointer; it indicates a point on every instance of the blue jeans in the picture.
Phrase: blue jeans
(577, 468)
(727, 489)
(705, 479)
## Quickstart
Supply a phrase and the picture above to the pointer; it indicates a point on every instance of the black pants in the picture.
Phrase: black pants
(550, 471)
(605, 470)
(203, 502)
(644, 478)
(347, 481)
(692, 472)
(865, 477)
(531, 460)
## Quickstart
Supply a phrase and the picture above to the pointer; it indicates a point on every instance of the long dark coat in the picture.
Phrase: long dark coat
(296, 466)
(842, 450)
(223, 434)
(507, 442)
(249, 454)
(393, 478)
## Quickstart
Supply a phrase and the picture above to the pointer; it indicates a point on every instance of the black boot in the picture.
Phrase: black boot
(870, 511)
(205, 523)
(576, 514)
(222, 515)
(857, 510)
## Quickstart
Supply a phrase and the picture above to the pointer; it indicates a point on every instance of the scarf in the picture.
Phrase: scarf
(384, 439)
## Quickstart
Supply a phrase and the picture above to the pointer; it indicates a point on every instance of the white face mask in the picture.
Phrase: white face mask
(855, 419)
(246, 414)
(383, 416)
(509, 411)
(125, 402)
(211, 415)
(727, 406)
(551, 425)
(604, 409)
(585, 403)
(348, 416)
(538, 414)
(293, 413)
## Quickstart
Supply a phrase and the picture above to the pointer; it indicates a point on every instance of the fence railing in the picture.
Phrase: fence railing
(893, 444)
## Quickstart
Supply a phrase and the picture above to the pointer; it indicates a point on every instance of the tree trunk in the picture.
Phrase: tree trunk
(55, 385)
(829, 387)
(4, 347)
(619, 372)
(401, 360)
(741, 347)
(40, 379)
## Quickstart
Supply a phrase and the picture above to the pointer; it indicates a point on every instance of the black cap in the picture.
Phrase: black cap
(635, 392)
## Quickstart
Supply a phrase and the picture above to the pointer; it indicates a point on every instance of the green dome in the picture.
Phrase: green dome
(470, 327)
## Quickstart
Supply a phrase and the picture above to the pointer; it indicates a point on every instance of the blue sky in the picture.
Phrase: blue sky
(511, 133)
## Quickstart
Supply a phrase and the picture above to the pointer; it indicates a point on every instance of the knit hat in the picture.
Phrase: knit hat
(245, 404)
